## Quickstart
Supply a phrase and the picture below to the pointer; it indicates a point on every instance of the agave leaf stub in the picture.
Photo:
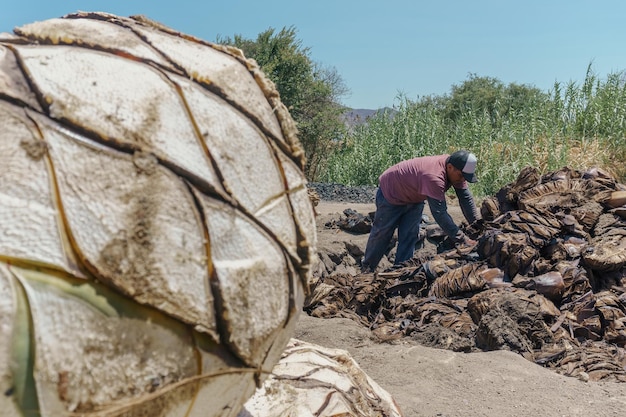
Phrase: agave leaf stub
(27, 197)
(10, 382)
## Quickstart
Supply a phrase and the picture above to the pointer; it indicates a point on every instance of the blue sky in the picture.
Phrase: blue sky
(411, 47)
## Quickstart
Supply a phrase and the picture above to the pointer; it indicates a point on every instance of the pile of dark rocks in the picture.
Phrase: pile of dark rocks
(343, 193)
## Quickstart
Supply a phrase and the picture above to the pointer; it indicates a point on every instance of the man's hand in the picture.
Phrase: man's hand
(469, 242)
(466, 245)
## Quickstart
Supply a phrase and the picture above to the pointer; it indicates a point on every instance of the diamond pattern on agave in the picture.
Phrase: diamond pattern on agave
(156, 228)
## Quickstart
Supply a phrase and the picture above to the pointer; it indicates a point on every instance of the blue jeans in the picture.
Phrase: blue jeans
(388, 217)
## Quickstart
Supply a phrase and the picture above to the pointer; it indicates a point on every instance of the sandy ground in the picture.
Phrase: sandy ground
(433, 382)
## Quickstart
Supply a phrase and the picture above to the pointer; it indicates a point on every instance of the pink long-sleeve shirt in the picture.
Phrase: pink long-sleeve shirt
(414, 180)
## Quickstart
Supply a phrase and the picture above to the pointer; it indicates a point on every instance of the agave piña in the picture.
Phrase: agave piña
(156, 232)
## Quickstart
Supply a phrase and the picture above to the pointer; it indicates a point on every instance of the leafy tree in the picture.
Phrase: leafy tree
(310, 91)
(488, 96)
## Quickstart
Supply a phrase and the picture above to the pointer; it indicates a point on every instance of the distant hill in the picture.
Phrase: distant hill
(355, 117)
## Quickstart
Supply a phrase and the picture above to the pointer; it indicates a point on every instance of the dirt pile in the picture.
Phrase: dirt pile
(546, 280)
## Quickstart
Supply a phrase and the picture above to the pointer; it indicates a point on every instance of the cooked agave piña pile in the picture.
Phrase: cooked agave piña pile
(156, 232)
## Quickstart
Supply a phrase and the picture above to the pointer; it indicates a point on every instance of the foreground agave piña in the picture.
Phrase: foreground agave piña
(312, 380)
(156, 232)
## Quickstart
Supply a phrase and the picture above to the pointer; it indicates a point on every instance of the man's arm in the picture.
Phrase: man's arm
(468, 207)
(439, 210)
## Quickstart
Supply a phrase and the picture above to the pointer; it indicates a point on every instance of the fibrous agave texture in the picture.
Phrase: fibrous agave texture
(156, 229)
(312, 380)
